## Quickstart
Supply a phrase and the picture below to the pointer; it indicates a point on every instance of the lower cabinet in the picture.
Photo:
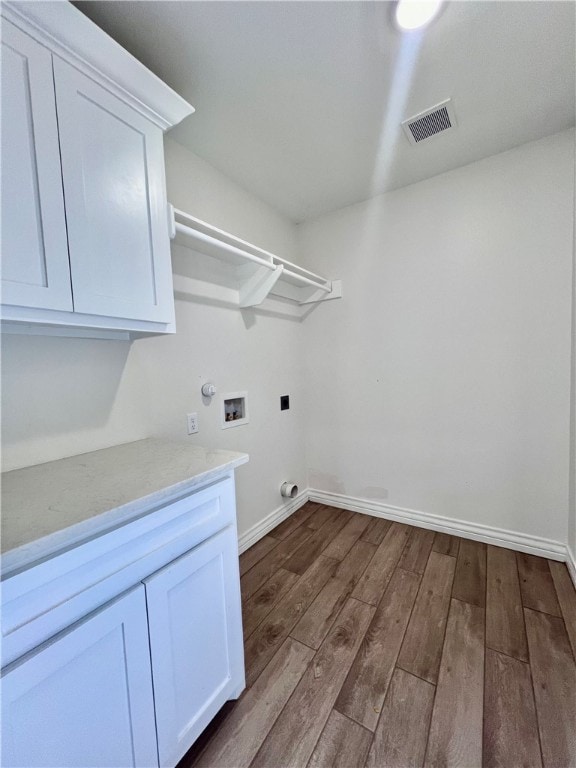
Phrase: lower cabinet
(85, 697)
(135, 682)
(195, 626)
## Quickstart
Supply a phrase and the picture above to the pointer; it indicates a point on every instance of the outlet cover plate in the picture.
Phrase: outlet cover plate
(192, 420)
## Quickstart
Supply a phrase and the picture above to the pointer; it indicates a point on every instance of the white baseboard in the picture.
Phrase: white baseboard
(571, 565)
(252, 535)
(554, 550)
(497, 536)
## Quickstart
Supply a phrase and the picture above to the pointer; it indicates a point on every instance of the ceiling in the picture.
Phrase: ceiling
(301, 102)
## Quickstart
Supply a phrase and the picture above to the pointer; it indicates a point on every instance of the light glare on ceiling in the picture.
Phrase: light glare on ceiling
(413, 14)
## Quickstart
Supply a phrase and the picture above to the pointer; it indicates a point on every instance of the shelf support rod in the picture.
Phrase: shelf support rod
(335, 293)
(171, 221)
(256, 288)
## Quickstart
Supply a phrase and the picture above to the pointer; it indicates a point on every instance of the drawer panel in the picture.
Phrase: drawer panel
(49, 596)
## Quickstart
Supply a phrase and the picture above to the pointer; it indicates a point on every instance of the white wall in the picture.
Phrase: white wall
(572, 479)
(255, 351)
(67, 396)
(441, 382)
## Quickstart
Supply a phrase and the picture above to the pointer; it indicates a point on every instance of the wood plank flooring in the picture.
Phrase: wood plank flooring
(372, 643)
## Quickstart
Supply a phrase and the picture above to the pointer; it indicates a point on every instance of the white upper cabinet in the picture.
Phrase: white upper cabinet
(35, 270)
(113, 173)
(85, 240)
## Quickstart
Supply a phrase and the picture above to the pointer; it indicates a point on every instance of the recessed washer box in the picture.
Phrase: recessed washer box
(234, 410)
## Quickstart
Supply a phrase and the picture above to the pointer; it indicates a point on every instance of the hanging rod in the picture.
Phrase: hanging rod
(196, 235)
(218, 234)
(312, 275)
(307, 280)
(216, 242)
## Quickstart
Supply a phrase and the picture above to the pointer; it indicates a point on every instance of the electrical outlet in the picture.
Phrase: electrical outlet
(192, 423)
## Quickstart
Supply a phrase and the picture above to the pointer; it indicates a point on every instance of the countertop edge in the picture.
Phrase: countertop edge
(20, 558)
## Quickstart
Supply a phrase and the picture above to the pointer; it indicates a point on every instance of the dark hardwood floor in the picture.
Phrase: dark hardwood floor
(371, 643)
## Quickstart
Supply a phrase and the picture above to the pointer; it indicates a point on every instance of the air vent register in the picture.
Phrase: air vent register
(437, 119)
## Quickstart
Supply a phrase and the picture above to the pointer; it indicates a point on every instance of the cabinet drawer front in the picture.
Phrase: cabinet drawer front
(85, 698)
(46, 598)
(195, 625)
(114, 188)
(35, 270)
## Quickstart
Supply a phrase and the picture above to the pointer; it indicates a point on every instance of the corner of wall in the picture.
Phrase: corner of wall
(572, 449)
(207, 193)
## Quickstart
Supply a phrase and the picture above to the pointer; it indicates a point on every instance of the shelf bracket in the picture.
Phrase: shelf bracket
(257, 287)
(317, 296)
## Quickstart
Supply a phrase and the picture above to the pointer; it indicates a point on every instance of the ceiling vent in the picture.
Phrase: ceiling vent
(438, 119)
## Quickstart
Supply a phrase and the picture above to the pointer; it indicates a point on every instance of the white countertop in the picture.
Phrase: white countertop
(49, 507)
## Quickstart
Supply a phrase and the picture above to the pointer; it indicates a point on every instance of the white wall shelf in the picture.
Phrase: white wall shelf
(258, 273)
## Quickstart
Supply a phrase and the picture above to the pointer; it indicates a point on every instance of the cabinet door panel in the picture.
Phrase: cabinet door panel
(85, 698)
(35, 269)
(113, 172)
(195, 626)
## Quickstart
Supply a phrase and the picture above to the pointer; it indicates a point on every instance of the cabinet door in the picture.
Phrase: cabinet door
(114, 188)
(85, 698)
(195, 625)
(35, 270)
